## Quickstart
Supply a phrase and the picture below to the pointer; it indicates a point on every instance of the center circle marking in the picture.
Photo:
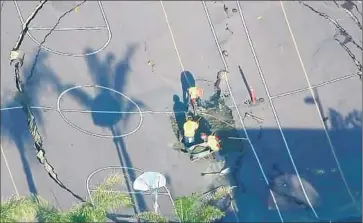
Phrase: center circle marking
(91, 133)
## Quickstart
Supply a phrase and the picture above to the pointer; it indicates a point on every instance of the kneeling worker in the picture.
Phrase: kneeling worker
(212, 142)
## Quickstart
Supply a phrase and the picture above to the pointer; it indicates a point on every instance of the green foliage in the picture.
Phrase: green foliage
(104, 199)
(222, 192)
(18, 209)
(48, 213)
(151, 217)
(31, 209)
(194, 208)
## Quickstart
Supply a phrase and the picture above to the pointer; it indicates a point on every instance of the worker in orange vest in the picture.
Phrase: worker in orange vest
(195, 93)
(211, 142)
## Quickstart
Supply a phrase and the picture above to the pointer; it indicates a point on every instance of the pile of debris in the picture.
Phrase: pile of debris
(216, 117)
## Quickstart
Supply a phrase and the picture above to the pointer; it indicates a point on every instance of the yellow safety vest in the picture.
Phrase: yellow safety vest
(193, 92)
(190, 127)
(213, 143)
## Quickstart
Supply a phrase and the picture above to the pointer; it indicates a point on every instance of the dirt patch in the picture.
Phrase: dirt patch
(215, 116)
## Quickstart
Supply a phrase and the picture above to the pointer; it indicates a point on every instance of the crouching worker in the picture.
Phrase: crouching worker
(190, 127)
(212, 144)
(217, 89)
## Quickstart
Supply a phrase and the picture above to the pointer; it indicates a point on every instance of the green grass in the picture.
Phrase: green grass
(194, 208)
(35, 209)
(18, 209)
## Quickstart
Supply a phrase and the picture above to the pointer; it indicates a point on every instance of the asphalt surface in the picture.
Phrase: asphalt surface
(292, 48)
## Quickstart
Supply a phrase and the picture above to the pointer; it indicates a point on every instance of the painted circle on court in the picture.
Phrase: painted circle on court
(91, 133)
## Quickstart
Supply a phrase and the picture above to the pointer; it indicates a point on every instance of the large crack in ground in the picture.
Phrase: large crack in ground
(17, 58)
(343, 32)
(46, 36)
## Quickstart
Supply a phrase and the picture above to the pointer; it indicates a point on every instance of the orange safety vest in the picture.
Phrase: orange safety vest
(213, 143)
(195, 92)
(190, 127)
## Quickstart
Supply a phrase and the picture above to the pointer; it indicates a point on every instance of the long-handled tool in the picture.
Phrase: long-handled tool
(258, 119)
(220, 173)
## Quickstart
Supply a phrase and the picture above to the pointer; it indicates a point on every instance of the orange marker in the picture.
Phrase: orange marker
(253, 98)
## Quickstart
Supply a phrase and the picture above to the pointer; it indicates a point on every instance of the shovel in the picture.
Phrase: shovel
(220, 173)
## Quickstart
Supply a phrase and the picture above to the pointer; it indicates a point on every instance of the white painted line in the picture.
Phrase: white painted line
(317, 107)
(172, 36)
(273, 107)
(315, 86)
(125, 174)
(69, 54)
(238, 138)
(69, 29)
(237, 110)
(10, 174)
(2, 5)
(95, 134)
(130, 192)
(182, 67)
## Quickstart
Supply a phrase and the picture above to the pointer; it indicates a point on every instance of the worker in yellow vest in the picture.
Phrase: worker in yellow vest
(190, 127)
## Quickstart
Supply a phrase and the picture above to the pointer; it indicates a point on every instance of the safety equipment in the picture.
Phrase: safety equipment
(190, 127)
(192, 91)
(213, 142)
(195, 92)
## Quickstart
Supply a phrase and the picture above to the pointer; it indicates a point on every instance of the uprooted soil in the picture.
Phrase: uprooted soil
(215, 117)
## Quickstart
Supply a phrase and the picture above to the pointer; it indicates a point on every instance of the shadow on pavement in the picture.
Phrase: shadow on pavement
(103, 75)
(317, 168)
(349, 5)
(120, 217)
(14, 122)
(179, 110)
(187, 80)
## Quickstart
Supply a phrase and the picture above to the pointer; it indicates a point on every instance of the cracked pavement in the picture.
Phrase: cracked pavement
(75, 155)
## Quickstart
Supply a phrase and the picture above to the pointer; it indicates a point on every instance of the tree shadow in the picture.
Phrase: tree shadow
(187, 80)
(103, 74)
(14, 122)
(120, 217)
(169, 184)
(316, 165)
(350, 5)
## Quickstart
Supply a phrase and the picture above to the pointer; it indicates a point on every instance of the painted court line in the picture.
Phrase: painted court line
(317, 106)
(273, 107)
(10, 174)
(69, 29)
(172, 36)
(182, 66)
(63, 53)
(237, 110)
(315, 86)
